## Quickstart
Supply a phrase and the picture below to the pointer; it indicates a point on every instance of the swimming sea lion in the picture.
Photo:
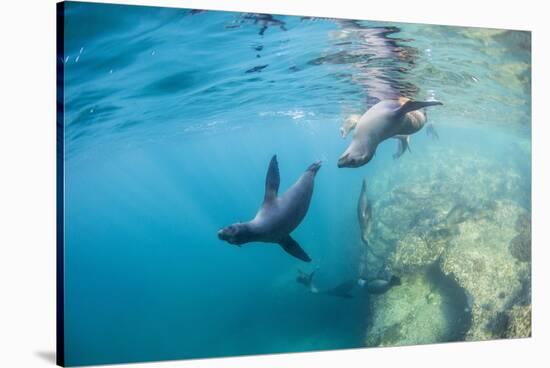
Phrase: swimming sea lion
(307, 280)
(430, 131)
(342, 290)
(382, 121)
(402, 146)
(364, 217)
(379, 286)
(364, 210)
(278, 216)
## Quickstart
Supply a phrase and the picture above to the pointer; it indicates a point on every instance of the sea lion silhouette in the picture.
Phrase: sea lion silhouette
(306, 279)
(277, 216)
(382, 121)
(342, 290)
(379, 286)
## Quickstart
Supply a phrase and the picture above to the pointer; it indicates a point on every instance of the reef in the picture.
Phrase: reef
(424, 309)
(456, 228)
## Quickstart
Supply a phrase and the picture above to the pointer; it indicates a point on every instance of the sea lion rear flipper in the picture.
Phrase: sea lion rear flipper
(272, 180)
(411, 105)
(403, 145)
(293, 248)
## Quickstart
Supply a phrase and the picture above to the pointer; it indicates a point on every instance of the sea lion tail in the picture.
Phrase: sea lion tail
(411, 105)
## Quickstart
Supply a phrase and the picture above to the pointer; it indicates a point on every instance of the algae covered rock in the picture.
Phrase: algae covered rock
(519, 324)
(479, 260)
(520, 245)
(456, 228)
(422, 312)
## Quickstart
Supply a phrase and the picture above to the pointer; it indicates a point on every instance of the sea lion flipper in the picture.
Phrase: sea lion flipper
(411, 105)
(272, 180)
(293, 248)
(402, 146)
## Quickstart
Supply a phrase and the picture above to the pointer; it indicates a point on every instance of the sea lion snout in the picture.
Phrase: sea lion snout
(314, 167)
(344, 160)
(229, 234)
(235, 234)
(347, 160)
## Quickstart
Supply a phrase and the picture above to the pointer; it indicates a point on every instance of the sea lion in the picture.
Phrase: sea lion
(342, 290)
(402, 145)
(379, 286)
(364, 217)
(431, 132)
(382, 121)
(277, 216)
(307, 280)
(364, 210)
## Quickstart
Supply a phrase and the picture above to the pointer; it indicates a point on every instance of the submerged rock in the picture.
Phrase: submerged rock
(421, 312)
(520, 245)
(454, 227)
(519, 324)
(479, 260)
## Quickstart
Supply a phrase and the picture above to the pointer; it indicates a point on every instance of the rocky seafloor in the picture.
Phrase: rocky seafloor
(455, 227)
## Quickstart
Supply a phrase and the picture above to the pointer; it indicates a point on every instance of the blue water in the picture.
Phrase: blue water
(171, 119)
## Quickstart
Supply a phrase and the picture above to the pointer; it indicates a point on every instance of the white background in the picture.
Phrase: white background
(27, 181)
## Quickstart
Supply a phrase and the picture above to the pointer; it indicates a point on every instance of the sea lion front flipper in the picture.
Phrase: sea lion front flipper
(293, 248)
(272, 180)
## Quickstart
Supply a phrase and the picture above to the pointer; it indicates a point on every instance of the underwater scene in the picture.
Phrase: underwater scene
(241, 183)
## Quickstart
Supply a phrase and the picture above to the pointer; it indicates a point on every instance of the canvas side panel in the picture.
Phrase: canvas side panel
(60, 300)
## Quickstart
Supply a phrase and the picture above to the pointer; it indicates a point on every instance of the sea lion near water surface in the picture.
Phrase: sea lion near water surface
(384, 120)
(277, 216)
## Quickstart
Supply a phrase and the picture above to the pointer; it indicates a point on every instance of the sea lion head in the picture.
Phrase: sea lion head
(237, 234)
(355, 156)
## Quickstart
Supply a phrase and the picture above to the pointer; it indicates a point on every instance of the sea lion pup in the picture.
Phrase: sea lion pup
(277, 216)
(382, 121)
(379, 286)
(307, 280)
